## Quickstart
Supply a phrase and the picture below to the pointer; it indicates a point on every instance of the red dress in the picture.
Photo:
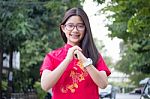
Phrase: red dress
(75, 82)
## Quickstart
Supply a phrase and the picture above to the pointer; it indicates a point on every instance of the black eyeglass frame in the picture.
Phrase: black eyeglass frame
(79, 26)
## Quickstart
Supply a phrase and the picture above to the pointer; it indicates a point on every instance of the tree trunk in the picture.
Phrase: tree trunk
(1, 65)
(10, 74)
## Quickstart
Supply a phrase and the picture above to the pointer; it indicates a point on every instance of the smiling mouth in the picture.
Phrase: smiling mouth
(74, 36)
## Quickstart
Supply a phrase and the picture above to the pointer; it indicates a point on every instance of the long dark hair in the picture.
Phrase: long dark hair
(87, 44)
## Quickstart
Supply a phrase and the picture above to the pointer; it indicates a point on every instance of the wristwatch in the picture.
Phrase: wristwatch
(88, 62)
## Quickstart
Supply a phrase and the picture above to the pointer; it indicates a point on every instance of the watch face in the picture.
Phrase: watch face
(88, 62)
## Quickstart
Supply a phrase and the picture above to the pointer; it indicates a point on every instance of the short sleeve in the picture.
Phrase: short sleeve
(101, 65)
(47, 63)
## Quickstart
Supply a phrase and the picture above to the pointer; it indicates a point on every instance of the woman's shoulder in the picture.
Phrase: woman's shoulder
(56, 52)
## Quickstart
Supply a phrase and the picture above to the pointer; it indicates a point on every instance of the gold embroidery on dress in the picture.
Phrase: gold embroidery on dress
(80, 64)
(64, 90)
(76, 78)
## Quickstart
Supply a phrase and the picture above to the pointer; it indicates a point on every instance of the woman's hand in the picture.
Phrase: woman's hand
(80, 55)
(71, 52)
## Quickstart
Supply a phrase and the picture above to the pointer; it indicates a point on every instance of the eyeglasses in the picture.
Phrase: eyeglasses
(79, 26)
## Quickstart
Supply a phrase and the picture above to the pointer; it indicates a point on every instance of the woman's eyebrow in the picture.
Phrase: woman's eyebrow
(76, 23)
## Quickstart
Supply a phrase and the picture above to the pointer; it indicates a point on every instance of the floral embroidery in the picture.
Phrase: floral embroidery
(70, 87)
(80, 64)
(75, 77)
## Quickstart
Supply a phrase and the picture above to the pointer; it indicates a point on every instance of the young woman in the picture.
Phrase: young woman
(77, 69)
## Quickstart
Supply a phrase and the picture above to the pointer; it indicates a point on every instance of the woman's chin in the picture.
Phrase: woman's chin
(74, 42)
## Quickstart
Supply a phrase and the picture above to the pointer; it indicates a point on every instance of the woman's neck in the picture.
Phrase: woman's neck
(73, 44)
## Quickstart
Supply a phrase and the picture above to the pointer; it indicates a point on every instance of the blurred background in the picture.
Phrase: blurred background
(30, 28)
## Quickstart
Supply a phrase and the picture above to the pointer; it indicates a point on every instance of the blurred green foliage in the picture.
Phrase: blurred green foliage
(130, 21)
(40, 93)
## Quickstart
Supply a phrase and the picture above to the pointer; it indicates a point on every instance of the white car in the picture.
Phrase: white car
(108, 92)
(146, 92)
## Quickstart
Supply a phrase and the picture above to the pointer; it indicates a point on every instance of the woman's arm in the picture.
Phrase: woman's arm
(50, 78)
(99, 77)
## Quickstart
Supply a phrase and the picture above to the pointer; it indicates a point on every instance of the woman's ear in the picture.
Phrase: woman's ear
(63, 28)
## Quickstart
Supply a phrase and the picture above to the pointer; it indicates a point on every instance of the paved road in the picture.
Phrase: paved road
(127, 96)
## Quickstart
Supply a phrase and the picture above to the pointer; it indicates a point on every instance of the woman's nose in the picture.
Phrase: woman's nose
(75, 29)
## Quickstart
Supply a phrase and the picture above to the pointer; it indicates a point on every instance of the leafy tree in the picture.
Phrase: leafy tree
(14, 29)
(130, 22)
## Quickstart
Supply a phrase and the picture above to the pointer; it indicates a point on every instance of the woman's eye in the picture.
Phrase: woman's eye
(70, 25)
(81, 26)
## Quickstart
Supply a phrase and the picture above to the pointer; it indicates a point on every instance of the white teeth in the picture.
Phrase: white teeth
(74, 36)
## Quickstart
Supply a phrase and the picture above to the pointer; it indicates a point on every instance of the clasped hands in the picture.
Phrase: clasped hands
(75, 50)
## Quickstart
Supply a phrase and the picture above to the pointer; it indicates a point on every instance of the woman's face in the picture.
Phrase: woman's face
(74, 30)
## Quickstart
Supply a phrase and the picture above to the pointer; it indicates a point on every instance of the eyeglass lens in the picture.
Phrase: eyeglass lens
(79, 26)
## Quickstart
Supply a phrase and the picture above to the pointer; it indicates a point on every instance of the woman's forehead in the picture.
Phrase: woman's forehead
(74, 19)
